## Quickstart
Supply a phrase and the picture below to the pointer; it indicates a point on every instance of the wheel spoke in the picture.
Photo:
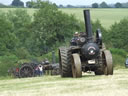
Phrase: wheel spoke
(26, 71)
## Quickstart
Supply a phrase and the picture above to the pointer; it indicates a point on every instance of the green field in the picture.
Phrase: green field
(30, 11)
(106, 16)
(88, 85)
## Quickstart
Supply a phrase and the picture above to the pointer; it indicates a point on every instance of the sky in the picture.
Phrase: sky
(72, 2)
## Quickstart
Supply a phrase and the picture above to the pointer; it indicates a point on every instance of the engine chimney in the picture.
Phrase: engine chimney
(88, 25)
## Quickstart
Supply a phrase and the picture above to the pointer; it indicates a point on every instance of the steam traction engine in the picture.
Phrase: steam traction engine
(28, 69)
(88, 54)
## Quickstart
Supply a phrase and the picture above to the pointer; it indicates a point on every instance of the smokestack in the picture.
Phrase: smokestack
(88, 25)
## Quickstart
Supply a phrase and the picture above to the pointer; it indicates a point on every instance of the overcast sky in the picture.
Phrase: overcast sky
(72, 2)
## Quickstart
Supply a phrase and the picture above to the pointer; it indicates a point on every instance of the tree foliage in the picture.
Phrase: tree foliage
(35, 37)
(14, 31)
(118, 5)
(118, 35)
(95, 5)
(97, 25)
(33, 4)
(17, 3)
(51, 25)
(104, 5)
(2, 5)
(7, 38)
(29, 4)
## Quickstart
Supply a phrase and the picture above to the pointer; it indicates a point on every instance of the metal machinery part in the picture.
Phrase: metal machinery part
(76, 66)
(55, 69)
(99, 37)
(108, 62)
(26, 70)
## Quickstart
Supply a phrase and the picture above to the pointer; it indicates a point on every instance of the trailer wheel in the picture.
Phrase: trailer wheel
(26, 71)
(107, 56)
(76, 66)
(65, 62)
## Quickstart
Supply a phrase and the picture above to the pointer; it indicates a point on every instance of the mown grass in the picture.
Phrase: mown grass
(88, 85)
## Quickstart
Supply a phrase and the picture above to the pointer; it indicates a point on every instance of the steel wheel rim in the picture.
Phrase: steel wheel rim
(76, 66)
(26, 71)
(108, 63)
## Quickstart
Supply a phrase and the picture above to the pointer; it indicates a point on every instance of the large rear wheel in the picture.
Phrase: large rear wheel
(65, 57)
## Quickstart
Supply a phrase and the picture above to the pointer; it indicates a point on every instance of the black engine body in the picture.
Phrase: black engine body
(89, 47)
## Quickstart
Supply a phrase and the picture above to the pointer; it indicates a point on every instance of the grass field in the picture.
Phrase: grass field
(88, 85)
(106, 16)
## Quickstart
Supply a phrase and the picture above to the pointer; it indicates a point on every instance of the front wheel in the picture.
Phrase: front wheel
(107, 56)
(76, 66)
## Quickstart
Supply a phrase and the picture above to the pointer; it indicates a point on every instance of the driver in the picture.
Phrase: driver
(75, 39)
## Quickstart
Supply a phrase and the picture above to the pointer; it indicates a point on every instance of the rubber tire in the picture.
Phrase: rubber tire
(65, 57)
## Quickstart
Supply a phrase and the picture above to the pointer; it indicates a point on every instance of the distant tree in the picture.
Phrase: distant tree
(17, 3)
(21, 4)
(95, 5)
(125, 5)
(29, 4)
(118, 5)
(33, 4)
(2, 5)
(54, 4)
(61, 6)
(70, 6)
(5, 6)
(104, 5)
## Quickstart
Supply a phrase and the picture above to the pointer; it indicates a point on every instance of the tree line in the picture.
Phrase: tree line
(24, 36)
(105, 5)
(34, 4)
